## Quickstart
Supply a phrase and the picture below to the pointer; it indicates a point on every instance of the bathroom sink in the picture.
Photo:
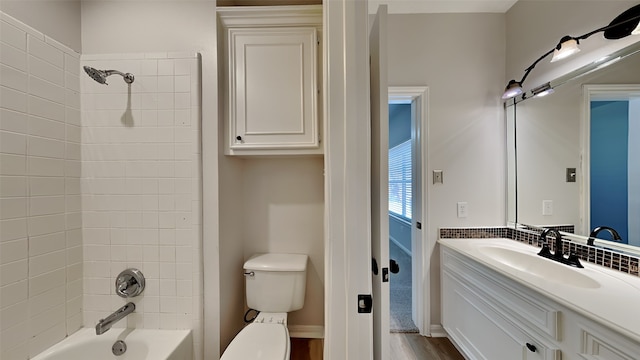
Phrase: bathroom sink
(532, 264)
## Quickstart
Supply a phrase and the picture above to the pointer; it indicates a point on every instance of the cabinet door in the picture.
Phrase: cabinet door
(273, 90)
(480, 332)
(598, 343)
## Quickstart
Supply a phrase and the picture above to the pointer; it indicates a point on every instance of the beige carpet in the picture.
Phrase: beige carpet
(400, 293)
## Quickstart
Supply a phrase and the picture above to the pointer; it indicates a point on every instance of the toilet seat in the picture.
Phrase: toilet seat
(259, 341)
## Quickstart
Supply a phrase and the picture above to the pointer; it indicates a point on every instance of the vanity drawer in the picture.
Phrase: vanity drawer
(504, 295)
(482, 332)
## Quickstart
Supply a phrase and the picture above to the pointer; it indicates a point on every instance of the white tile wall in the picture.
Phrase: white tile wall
(86, 194)
(141, 189)
(40, 237)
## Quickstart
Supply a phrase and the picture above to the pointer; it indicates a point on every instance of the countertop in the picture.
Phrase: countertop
(613, 304)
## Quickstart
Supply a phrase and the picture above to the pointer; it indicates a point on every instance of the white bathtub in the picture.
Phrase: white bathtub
(142, 344)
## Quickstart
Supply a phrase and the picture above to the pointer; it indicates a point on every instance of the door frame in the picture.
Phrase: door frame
(420, 284)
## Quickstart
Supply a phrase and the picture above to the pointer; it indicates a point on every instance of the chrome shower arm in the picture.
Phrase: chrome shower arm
(128, 78)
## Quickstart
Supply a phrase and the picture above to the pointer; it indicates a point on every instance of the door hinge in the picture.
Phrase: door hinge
(419, 225)
(365, 303)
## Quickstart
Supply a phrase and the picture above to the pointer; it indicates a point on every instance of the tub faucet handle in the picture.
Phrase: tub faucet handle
(130, 283)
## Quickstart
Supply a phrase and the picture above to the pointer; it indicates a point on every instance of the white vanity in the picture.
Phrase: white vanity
(500, 301)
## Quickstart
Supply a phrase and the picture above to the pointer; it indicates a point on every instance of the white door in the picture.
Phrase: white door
(380, 183)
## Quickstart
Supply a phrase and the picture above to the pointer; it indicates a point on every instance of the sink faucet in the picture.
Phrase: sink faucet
(572, 260)
(545, 243)
(105, 324)
(594, 233)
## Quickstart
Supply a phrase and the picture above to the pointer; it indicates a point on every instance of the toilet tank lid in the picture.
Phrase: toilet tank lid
(277, 262)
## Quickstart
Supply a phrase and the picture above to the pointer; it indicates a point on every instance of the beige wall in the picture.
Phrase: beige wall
(59, 19)
(283, 213)
(460, 57)
(147, 26)
(270, 205)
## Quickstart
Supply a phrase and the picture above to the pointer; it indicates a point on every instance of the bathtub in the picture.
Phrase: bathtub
(142, 344)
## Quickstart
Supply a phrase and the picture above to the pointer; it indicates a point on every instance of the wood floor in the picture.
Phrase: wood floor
(403, 347)
(414, 346)
(306, 349)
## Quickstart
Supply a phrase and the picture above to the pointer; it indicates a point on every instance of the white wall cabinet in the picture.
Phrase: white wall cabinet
(272, 80)
(489, 316)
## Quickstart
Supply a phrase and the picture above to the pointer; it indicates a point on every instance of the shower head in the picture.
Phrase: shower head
(101, 75)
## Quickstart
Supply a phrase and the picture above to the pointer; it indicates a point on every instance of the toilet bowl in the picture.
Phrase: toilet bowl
(266, 338)
(275, 285)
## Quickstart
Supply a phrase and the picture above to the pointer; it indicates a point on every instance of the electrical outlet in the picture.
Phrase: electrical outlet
(547, 207)
(463, 209)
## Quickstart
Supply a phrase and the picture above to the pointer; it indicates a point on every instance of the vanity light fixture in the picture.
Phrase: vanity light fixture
(512, 90)
(625, 24)
(567, 47)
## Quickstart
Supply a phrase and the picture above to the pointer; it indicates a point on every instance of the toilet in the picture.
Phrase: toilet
(275, 285)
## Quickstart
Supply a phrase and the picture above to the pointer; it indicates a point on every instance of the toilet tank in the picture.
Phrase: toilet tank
(276, 282)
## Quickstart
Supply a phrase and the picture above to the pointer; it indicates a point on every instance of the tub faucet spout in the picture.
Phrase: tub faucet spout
(105, 324)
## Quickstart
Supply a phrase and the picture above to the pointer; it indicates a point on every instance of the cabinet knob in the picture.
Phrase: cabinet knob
(239, 138)
(531, 347)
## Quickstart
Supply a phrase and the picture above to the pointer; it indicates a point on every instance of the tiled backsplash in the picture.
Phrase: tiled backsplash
(603, 257)
(40, 214)
(141, 189)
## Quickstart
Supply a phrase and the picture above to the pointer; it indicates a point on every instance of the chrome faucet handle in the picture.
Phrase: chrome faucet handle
(130, 283)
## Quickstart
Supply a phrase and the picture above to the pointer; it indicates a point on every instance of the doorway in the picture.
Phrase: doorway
(408, 230)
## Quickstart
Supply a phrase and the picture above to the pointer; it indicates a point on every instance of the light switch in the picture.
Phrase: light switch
(463, 209)
(547, 207)
(437, 177)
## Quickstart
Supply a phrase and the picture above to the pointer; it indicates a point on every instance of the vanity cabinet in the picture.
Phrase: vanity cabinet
(490, 316)
(592, 341)
(273, 76)
(487, 319)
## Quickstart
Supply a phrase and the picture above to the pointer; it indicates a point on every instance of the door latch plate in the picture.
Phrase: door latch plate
(365, 303)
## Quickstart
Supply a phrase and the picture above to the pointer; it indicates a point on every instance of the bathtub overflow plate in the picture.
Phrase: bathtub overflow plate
(119, 348)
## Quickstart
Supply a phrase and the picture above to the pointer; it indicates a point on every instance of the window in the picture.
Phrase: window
(400, 180)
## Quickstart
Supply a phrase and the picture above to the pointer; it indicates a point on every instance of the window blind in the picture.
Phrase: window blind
(400, 180)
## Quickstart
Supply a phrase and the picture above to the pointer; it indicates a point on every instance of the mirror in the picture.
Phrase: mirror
(561, 168)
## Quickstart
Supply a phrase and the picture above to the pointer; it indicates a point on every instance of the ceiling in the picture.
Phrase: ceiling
(442, 6)
(401, 6)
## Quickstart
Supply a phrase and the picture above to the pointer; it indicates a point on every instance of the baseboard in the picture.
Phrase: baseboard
(306, 331)
(438, 331)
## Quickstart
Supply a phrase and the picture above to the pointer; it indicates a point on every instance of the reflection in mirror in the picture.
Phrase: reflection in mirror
(550, 180)
(612, 160)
